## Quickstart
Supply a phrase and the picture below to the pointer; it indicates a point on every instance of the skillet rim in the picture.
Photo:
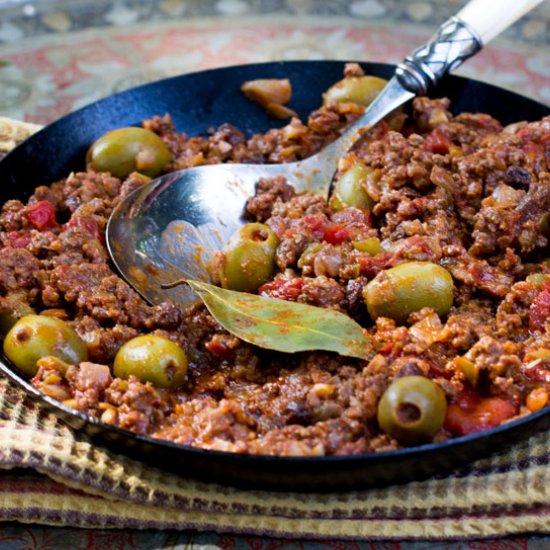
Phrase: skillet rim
(92, 426)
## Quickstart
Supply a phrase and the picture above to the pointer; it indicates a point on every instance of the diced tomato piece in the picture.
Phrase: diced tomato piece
(539, 312)
(16, 240)
(41, 215)
(473, 413)
(335, 234)
(284, 289)
(437, 142)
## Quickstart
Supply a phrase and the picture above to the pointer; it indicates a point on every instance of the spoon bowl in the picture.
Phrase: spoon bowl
(170, 228)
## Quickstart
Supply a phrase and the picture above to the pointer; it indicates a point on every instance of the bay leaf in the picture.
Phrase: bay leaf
(279, 325)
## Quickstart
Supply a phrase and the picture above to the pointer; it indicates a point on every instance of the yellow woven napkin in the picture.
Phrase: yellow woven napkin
(508, 493)
(87, 486)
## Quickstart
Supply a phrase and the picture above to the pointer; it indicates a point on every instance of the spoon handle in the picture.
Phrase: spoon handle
(454, 42)
(489, 18)
(460, 37)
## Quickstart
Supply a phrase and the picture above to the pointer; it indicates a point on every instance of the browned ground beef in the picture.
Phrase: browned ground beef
(459, 191)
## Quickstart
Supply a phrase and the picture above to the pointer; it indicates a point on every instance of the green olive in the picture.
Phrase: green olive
(412, 409)
(371, 246)
(128, 150)
(355, 89)
(349, 190)
(409, 287)
(249, 258)
(35, 336)
(152, 358)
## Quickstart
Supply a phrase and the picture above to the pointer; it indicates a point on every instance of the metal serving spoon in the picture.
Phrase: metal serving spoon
(169, 228)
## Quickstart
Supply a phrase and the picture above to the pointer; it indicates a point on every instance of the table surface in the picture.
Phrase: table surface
(56, 56)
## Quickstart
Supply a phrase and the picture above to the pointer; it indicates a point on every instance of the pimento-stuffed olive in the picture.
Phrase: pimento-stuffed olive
(152, 358)
(412, 409)
(35, 336)
(248, 260)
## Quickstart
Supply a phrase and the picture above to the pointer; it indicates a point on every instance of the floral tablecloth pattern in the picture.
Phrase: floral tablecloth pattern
(54, 61)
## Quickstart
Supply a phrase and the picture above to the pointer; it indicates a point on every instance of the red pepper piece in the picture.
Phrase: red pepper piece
(473, 413)
(41, 215)
(284, 289)
(335, 234)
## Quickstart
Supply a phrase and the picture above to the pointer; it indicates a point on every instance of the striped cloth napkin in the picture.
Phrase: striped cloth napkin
(81, 485)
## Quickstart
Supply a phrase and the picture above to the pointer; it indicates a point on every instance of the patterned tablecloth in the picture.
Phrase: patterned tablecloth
(56, 56)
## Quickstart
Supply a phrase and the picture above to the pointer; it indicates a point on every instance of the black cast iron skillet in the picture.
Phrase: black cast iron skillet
(196, 103)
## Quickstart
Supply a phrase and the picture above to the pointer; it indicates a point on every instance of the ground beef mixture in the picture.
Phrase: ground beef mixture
(459, 191)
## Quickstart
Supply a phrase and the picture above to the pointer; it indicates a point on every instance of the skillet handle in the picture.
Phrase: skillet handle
(488, 18)
(459, 38)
